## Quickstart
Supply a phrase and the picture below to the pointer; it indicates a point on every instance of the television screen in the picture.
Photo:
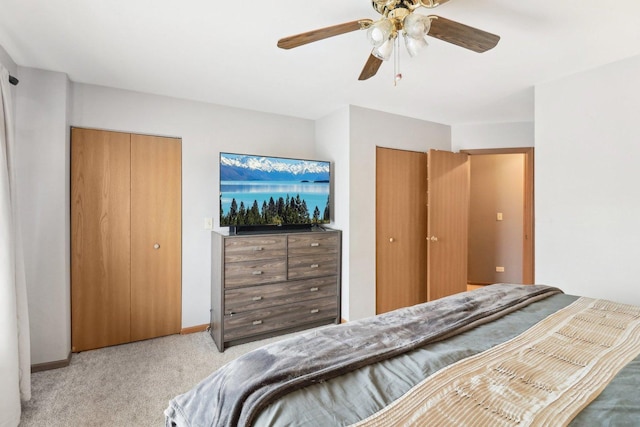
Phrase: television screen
(259, 190)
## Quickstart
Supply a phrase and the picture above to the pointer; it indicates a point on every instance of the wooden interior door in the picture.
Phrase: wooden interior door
(448, 223)
(401, 219)
(100, 236)
(156, 224)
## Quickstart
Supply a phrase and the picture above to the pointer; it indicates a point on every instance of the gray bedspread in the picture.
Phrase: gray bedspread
(233, 395)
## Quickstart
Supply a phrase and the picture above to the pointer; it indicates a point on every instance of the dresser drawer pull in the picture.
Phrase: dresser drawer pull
(257, 298)
(314, 266)
(258, 248)
(257, 322)
(256, 273)
(315, 310)
(313, 289)
(315, 244)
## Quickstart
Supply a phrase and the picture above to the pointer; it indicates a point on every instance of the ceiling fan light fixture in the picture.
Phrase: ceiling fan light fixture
(414, 45)
(380, 32)
(384, 51)
(400, 17)
(416, 25)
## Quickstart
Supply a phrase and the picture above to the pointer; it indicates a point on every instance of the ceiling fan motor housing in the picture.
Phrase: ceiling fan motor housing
(401, 8)
(384, 7)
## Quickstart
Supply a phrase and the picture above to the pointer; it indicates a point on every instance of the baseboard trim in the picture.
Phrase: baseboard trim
(194, 329)
(39, 367)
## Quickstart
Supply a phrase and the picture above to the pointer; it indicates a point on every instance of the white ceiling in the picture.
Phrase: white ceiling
(222, 53)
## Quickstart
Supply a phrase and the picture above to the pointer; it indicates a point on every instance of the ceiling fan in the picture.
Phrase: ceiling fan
(398, 18)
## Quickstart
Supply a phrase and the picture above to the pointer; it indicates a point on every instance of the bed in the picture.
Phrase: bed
(500, 355)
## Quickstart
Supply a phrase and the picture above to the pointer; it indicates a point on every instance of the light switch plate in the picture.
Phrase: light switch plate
(208, 223)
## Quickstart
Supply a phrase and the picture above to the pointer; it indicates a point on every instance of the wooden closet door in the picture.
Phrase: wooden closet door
(448, 223)
(100, 236)
(156, 223)
(401, 229)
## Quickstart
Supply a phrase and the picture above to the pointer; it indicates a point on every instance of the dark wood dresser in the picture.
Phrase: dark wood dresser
(271, 284)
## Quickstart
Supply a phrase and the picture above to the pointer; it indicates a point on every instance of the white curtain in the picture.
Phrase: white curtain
(15, 358)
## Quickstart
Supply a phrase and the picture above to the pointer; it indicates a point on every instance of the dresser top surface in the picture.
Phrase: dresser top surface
(225, 233)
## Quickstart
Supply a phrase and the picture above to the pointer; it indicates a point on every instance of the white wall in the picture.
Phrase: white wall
(368, 129)
(587, 182)
(42, 159)
(492, 135)
(332, 143)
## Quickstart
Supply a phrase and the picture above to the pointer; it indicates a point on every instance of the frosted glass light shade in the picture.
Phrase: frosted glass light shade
(384, 51)
(414, 45)
(416, 25)
(379, 33)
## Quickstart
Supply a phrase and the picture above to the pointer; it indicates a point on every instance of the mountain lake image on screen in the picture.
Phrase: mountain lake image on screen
(259, 190)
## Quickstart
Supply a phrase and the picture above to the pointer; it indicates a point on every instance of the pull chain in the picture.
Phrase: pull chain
(396, 63)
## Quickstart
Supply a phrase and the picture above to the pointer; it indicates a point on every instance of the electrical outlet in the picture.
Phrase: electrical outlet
(208, 223)
(499, 269)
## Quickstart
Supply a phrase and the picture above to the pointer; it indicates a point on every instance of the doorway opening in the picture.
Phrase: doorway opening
(501, 239)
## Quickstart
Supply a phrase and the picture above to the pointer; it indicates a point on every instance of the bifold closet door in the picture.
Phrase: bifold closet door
(100, 236)
(125, 239)
(156, 224)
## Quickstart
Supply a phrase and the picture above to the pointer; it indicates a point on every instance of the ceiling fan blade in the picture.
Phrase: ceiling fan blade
(323, 33)
(462, 35)
(370, 68)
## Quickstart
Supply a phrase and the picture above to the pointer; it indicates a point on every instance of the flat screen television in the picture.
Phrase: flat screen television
(260, 193)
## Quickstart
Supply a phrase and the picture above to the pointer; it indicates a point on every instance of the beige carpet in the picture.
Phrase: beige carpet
(126, 385)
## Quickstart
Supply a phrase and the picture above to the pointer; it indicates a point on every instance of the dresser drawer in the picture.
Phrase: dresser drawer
(254, 272)
(279, 317)
(254, 248)
(313, 266)
(264, 296)
(313, 243)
